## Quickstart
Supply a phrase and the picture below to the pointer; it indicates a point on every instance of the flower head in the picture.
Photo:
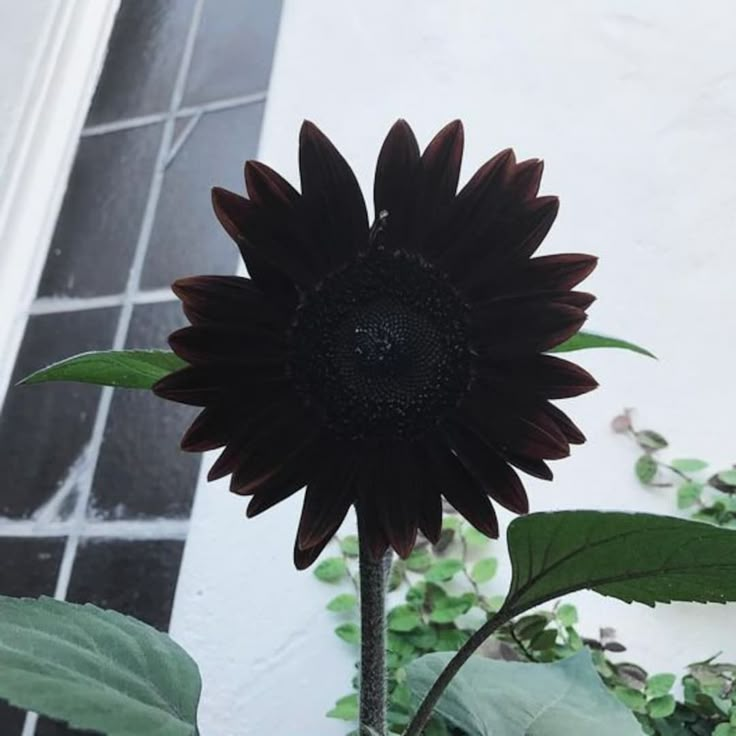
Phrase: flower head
(386, 366)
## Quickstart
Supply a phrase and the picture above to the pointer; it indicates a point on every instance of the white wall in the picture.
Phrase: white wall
(633, 107)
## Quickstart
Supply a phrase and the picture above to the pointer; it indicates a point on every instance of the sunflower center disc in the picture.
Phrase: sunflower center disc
(380, 349)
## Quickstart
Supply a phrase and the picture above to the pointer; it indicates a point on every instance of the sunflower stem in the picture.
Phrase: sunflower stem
(373, 575)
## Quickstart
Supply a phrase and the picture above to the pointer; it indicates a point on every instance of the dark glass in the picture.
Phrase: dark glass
(141, 472)
(45, 429)
(186, 238)
(143, 59)
(100, 221)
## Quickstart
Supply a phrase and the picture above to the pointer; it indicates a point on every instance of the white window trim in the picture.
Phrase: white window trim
(59, 83)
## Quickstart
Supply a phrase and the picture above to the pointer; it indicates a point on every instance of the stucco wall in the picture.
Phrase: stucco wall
(633, 107)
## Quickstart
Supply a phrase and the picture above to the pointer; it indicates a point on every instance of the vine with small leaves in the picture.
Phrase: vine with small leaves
(437, 596)
(710, 497)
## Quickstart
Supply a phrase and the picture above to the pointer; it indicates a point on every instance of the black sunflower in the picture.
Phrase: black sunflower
(385, 366)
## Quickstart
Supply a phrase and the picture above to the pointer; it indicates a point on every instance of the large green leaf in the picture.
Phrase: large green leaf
(584, 340)
(634, 557)
(95, 669)
(119, 368)
(494, 698)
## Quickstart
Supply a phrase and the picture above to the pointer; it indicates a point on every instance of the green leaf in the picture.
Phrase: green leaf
(661, 707)
(688, 494)
(343, 602)
(350, 546)
(658, 685)
(484, 570)
(419, 561)
(451, 639)
(349, 632)
(119, 368)
(425, 637)
(728, 477)
(403, 618)
(436, 727)
(523, 699)
(724, 729)
(450, 522)
(633, 557)
(473, 537)
(97, 670)
(544, 640)
(529, 626)
(689, 465)
(495, 602)
(346, 709)
(633, 699)
(584, 340)
(646, 469)
(449, 608)
(650, 440)
(444, 570)
(567, 614)
(396, 575)
(331, 570)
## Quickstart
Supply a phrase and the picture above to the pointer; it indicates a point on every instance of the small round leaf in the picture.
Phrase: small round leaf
(349, 632)
(342, 603)
(444, 570)
(646, 469)
(331, 570)
(484, 570)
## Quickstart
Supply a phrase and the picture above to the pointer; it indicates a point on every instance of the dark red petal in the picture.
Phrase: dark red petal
(377, 541)
(265, 239)
(333, 205)
(267, 188)
(486, 187)
(430, 505)
(530, 465)
(274, 490)
(440, 166)
(526, 180)
(439, 172)
(212, 428)
(326, 502)
(264, 469)
(512, 427)
(508, 301)
(370, 506)
(556, 272)
(569, 429)
(498, 246)
(523, 328)
(472, 212)
(250, 344)
(498, 480)
(580, 299)
(473, 504)
(388, 491)
(402, 497)
(296, 469)
(462, 490)
(225, 299)
(197, 385)
(543, 375)
(395, 184)
(266, 439)
(303, 558)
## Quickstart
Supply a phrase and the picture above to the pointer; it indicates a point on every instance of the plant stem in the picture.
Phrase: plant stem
(424, 713)
(372, 577)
